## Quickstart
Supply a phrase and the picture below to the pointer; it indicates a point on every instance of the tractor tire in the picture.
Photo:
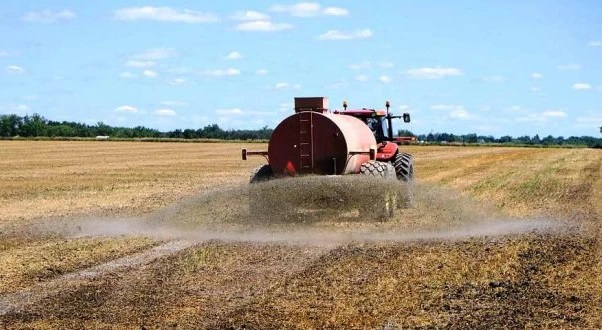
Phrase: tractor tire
(383, 206)
(262, 173)
(404, 167)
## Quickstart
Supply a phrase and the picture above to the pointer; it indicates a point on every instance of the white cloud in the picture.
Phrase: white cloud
(126, 108)
(47, 16)
(250, 15)
(386, 65)
(233, 56)
(234, 111)
(140, 64)
(177, 81)
(535, 89)
(164, 14)
(155, 54)
(595, 44)
(339, 35)
(496, 78)
(568, 67)
(362, 78)
(165, 112)
(174, 103)
(285, 85)
(404, 107)
(554, 114)
(261, 72)
(360, 66)
(14, 108)
(262, 26)
(460, 114)
(4, 53)
(536, 75)
(309, 9)
(15, 69)
(149, 73)
(335, 11)
(433, 73)
(22, 107)
(127, 75)
(582, 86)
(385, 79)
(220, 73)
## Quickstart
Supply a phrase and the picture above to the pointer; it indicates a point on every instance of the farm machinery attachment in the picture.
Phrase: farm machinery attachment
(320, 146)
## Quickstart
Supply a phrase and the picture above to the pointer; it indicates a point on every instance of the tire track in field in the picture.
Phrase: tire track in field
(21, 300)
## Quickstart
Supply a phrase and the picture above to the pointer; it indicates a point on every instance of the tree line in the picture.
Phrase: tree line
(37, 126)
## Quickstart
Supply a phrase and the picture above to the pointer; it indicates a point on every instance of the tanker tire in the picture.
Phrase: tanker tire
(259, 202)
(404, 167)
(384, 206)
(262, 173)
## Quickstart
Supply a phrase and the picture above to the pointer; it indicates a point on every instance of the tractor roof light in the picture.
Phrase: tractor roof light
(387, 104)
(345, 104)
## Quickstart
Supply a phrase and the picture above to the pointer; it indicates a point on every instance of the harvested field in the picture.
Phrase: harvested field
(159, 235)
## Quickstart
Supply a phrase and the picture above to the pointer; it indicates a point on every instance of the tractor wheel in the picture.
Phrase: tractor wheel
(385, 203)
(262, 173)
(404, 166)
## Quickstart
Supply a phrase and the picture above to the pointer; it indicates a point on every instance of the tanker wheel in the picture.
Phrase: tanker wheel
(384, 204)
(404, 166)
(262, 173)
(259, 200)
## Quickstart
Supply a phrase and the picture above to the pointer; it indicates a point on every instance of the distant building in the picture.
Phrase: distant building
(102, 137)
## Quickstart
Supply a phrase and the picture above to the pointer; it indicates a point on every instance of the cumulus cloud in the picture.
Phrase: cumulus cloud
(15, 69)
(250, 15)
(177, 81)
(459, 114)
(48, 16)
(233, 56)
(262, 26)
(140, 64)
(433, 73)
(164, 14)
(234, 111)
(446, 107)
(340, 35)
(309, 9)
(361, 65)
(554, 114)
(261, 72)
(385, 79)
(536, 75)
(568, 67)
(285, 85)
(595, 44)
(127, 75)
(582, 86)
(220, 73)
(165, 112)
(362, 78)
(15, 108)
(155, 54)
(149, 73)
(126, 108)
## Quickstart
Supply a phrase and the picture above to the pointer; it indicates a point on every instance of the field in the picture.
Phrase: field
(99, 234)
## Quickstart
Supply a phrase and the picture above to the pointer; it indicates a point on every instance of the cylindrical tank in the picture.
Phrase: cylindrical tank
(319, 143)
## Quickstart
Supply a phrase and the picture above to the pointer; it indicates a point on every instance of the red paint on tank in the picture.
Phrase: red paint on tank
(311, 142)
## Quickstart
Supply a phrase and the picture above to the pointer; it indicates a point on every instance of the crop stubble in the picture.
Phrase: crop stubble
(545, 278)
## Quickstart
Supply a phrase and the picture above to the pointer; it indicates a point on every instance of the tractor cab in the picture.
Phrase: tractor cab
(380, 123)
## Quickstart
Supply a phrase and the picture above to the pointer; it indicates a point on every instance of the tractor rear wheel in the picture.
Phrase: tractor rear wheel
(404, 166)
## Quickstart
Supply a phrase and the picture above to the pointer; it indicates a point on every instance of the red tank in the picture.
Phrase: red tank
(318, 142)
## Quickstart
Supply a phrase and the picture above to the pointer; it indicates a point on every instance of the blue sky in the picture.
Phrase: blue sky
(489, 67)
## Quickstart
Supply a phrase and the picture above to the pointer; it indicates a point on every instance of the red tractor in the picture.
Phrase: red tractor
(317, 141)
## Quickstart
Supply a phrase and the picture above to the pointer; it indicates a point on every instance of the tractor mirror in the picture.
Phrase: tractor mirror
(406, 117)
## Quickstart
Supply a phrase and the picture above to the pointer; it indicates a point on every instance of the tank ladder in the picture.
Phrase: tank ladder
(306, 141)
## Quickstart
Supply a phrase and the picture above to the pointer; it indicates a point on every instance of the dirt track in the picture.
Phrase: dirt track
(526, 258)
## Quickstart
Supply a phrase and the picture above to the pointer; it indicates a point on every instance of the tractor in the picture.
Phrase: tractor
(317, 141)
